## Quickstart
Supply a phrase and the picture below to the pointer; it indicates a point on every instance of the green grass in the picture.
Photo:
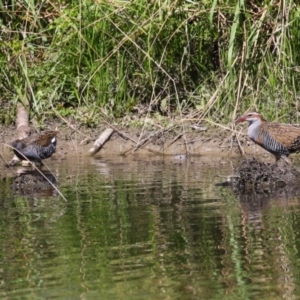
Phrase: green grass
(216, 58)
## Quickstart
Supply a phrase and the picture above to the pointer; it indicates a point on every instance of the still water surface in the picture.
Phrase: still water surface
(141, 228)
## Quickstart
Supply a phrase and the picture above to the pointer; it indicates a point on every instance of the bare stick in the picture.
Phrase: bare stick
(120, 133)
(242, 152)
(103, 138)
(145, 140)
(176, 138)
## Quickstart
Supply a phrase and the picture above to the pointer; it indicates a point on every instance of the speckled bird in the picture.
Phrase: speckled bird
(36, 147)
(279, 139)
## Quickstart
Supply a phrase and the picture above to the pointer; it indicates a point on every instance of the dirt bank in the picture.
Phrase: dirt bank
(205, 140)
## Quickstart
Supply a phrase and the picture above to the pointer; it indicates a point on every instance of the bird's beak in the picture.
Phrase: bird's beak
(239, 120)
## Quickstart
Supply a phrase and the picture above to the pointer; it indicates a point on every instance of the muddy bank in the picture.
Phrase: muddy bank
(258, 174)
(212, 147)
(208, 142)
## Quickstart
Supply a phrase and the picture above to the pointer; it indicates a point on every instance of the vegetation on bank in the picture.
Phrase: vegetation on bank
(194, 59)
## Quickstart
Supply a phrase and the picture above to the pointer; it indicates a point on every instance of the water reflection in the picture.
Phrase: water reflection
(34, 182)
(149, 229)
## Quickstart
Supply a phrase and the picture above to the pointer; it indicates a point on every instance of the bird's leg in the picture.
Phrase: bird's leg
(277, 158)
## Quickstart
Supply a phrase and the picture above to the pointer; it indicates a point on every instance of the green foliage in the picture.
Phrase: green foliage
(217, 56)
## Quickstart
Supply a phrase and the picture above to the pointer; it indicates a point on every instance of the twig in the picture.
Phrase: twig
(161, 131)
(242, 152)
(138, 144)
(120, 133)
(142, 142)
(196, 140)
(176, 138)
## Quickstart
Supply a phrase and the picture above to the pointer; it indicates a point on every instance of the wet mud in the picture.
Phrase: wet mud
(253, 172)
(257, 183)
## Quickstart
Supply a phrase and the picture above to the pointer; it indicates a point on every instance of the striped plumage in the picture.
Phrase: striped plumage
(279, 139)
(36, 147)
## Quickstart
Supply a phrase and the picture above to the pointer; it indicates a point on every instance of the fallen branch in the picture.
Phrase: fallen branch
(22, 122)
(143, 142)
(175, 139)
(103, 138)
(120, 133)
(140, 143)
(241, 150)
(156, 133)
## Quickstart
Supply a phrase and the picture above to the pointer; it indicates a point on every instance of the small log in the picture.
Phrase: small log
(22, 122)
(103, 138)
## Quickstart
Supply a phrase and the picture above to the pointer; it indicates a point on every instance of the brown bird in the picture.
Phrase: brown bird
(279, 139)
(36, 147)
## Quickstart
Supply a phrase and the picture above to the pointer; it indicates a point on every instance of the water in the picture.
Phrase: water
(147, 228)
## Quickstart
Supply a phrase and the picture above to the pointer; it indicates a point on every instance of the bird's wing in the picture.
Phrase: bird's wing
(285, 134)
(43, 139)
